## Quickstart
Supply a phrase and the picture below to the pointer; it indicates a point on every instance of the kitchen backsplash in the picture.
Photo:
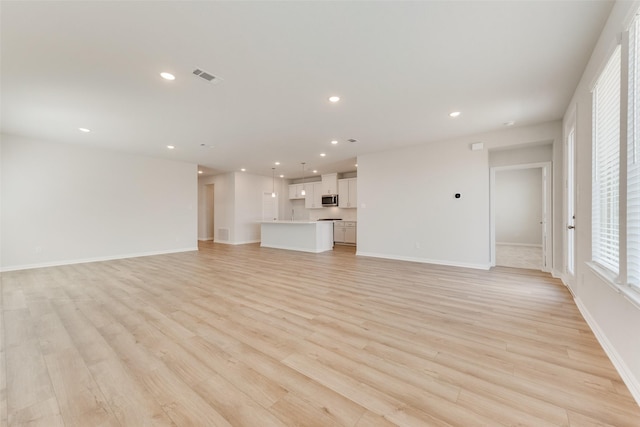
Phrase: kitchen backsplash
(301, 213)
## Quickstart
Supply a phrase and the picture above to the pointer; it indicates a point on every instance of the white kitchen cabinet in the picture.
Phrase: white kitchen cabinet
(313, 198)
(350, 232)
(348, 193)
(329, 184)
(345, 232)
(295, 191)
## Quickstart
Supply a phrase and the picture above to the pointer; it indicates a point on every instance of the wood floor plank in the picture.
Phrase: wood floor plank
(246, 336)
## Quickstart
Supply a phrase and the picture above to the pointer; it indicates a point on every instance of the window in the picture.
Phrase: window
(606, 166)
(633, 158)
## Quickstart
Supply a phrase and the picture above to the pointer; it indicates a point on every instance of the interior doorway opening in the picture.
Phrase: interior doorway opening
(207, 222)
(521, 216)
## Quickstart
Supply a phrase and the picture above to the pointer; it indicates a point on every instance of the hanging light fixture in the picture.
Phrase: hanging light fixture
(302, 193)
(273, 182)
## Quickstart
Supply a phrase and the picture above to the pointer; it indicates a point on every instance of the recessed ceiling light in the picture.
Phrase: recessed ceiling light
(334, 142)
(509, 123)
(454, 114)
(277, 163)
(281, 176)
(85, 130)
(315, 171)
(171, 147)
(323, 154)
(167, 76)
(200, 172)
(356, 165)
(243, 170)
(334, 98)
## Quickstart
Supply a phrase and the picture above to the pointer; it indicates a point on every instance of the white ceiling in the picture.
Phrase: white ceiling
(399, 67)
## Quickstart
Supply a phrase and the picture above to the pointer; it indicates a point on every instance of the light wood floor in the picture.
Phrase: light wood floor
(244, 336)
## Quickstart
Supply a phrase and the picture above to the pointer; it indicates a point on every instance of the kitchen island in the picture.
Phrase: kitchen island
(305, 236)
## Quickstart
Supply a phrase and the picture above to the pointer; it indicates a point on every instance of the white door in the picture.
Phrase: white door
(570, 205)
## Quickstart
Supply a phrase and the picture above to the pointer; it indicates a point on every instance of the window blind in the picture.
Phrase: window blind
(606, 166)
(633, 158)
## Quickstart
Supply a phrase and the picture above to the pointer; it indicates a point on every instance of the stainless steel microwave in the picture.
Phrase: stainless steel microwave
(329, 200)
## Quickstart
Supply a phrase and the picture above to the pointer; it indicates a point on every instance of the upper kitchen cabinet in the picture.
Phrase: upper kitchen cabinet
(313, 198)
(329, 184)
(348, 193)
(295, 191)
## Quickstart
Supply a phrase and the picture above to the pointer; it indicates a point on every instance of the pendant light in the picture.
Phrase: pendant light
(273, 182)
(303, 193)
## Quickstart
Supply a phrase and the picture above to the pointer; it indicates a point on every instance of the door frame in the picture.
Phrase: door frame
(547, 210)
(570, 126)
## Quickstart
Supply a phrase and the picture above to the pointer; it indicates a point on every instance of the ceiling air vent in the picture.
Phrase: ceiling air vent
(206, 76)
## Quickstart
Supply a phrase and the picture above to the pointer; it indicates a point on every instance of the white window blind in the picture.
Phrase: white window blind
(606, 166)
(633, 158)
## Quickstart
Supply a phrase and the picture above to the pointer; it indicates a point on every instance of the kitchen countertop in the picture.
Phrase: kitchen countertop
(302, 221)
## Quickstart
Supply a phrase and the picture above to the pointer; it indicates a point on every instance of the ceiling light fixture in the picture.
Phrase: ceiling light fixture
(277, 163)
(85, 130)
(356, 165)
(303, 193)
(167, 76)
(509, 123)
(171, 147)
(200, 172)
(454, 114)
(334, 98)
(315, 171)
(281, 176)
(334, 142)
(323, 154)
(243, 170)
(273, 182)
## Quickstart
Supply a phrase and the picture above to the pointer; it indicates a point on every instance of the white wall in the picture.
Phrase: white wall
(407, 208)
(238, 205)
(248, 205)
(518, 206)
(612, 316)
(64, 203)
(521, 155)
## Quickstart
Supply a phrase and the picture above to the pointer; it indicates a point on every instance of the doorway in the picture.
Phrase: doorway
(570, 204)
(520, 216)
(207, 221)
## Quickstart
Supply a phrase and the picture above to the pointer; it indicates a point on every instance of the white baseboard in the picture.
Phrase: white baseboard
(205, 239)
(631, 382)
(96, 259)
(529, 245)
(486, 266)
(226, 242)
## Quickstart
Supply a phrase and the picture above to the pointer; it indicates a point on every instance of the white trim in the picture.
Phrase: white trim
(625, 373)
(569, 126)
(529, 245)
(425, 260)
(547, 170)
(611, 280)
(226, 242)
(96, 259)
(205, 239)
